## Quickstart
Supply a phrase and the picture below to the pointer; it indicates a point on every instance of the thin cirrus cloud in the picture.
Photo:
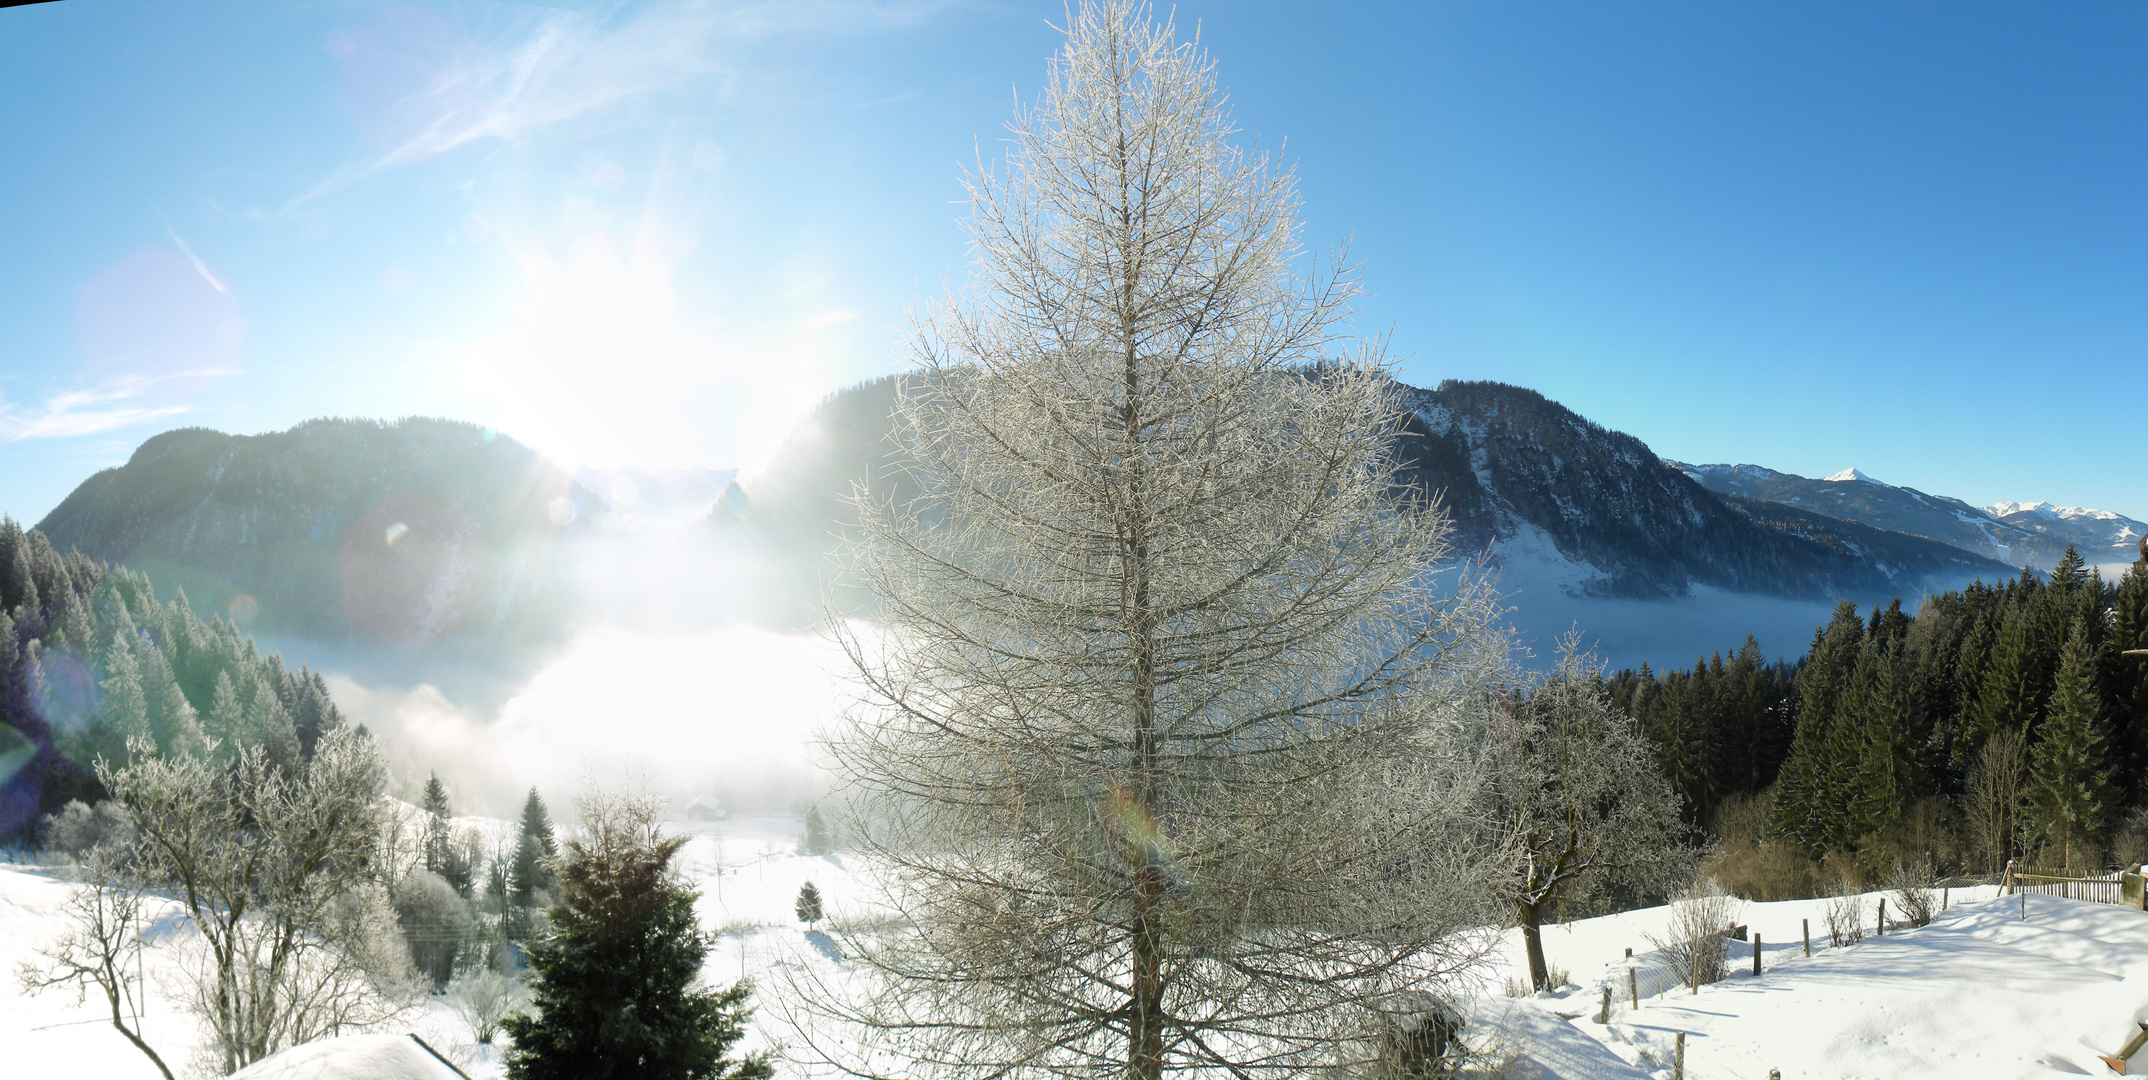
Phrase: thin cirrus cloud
(422, 87)
(106, 407)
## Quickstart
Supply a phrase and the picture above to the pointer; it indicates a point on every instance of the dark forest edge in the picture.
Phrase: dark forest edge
(1998, 722)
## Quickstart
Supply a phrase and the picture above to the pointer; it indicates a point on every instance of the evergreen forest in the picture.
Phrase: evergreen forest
(92, 663)
(1999, 722)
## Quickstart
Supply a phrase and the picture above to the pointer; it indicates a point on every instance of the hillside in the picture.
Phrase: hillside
(1510, 459)
(418, 533)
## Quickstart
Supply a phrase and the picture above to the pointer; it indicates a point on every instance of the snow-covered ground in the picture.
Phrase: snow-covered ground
(1982, 992)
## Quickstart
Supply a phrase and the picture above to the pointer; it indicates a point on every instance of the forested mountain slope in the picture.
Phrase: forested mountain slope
(1509, 458)
(415, 533)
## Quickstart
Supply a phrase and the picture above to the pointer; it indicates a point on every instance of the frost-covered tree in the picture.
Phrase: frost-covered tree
(1587, 803)
(808, 905)
(1169, 738)
(274, 867)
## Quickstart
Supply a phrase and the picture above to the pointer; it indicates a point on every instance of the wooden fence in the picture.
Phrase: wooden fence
(2125, 888)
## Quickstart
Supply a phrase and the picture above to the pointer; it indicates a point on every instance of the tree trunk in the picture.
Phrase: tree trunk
(1145, 1039)
(1532, 922)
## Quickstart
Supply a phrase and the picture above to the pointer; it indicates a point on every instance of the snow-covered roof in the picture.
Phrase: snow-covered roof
(354, 1057)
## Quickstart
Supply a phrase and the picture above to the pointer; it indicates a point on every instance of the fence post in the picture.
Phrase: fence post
(1881, 929)
(1603, 1014)
(1756, 954)
(1943, 897)
(1678, 1065)
(1633, 987)
(2130, 888)
(2006, 880)
(1807, 924)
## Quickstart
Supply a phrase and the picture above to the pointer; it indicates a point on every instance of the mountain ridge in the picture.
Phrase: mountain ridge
(419, 533)
(2020, 534)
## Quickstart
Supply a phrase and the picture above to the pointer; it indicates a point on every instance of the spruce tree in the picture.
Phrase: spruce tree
(437, 842)
(531, 870)
(226, 718)
(2069, 785)
(616, 988)
(817, 841)
(2009, 696)
(1808, 799)
(808, 906)
(2126, 687)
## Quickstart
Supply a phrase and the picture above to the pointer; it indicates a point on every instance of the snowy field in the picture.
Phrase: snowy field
(1982, 992)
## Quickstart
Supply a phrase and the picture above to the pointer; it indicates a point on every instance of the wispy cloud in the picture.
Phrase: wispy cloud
(199, 267)
(106, 407)
(570, 66)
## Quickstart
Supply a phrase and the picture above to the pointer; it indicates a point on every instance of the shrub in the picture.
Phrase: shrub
(435, 921)
(483, 998)
(1845, 915)
(1692, 943)
(78, 827)
(1912, 887)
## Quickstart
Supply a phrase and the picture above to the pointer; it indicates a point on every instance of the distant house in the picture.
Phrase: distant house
(706, 807)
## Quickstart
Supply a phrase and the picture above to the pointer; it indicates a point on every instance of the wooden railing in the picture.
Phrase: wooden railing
(2127, 888)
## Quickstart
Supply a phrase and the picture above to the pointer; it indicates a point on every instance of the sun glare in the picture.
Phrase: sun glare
(600, 364)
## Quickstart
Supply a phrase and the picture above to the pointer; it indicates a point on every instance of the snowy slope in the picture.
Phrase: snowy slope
(1981, 992)
(2100, 535)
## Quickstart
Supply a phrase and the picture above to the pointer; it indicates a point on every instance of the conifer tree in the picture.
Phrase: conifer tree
(1808, 792)
(2069, 783)
(437, 838)
(531, 870)
(1880, 784)
(227, 718)
(817, 841)
(616, 988)
(1165, 682)
(2008, 698)
(808, 905)
(2126, 687)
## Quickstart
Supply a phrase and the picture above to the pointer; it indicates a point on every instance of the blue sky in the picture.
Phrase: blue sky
(1908, 238)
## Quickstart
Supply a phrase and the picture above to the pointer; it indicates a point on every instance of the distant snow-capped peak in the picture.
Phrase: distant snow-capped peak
(2051, 512)
(1745, 471)
(1847, 475)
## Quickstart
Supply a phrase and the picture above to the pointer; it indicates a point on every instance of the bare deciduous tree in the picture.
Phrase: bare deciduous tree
(274, 865)
(103, 949)
(1170, 742)
(1997, 796)
(1586, 802)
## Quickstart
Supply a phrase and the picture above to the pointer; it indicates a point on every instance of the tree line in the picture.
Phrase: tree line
(1999, 721)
